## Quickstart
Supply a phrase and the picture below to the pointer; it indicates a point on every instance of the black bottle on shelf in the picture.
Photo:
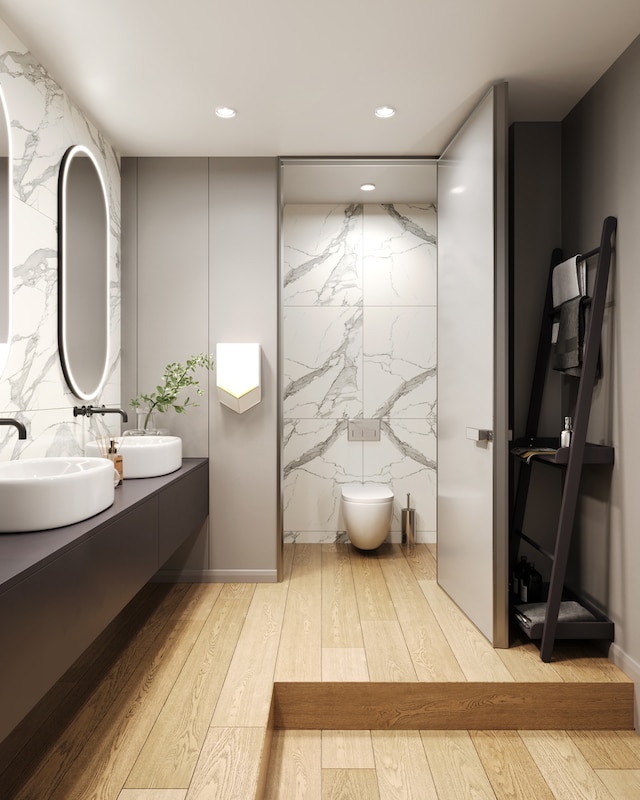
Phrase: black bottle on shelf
(519, 571)
(535, 585)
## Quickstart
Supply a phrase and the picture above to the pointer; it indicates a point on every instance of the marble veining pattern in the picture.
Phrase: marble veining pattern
(44, 124)
(358, 342)
(322, 362)
(322, 259)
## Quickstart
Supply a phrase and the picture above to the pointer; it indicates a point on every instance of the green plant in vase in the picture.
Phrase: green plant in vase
(176, 377)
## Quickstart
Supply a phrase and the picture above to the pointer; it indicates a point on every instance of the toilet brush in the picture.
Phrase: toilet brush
(408, 524)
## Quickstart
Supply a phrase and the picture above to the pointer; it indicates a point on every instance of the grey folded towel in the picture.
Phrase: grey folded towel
(568, 344)
(568, 280)
(570, 611)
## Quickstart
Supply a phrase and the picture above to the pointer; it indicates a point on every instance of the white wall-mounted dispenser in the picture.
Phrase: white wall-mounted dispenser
(238, 375)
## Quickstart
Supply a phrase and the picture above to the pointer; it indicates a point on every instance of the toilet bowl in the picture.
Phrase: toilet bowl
(367, 509)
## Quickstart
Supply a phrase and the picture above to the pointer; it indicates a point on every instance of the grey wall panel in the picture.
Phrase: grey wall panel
(601, 176)
(166, 278)
(173, 314)
(244, 448)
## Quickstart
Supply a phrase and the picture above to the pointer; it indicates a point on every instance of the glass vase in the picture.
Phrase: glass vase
(146, 421)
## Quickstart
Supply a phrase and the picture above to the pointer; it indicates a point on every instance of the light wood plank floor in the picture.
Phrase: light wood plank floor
(174, 700)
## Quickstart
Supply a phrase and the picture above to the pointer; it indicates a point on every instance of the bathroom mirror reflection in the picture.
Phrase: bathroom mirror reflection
(83, 277)
(5, 234)
(358, 309)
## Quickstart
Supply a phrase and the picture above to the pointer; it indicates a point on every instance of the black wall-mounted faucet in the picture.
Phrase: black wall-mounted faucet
(89, 411)
(22, 431)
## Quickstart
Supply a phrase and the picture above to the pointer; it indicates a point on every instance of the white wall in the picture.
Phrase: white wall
(359, 340)
(44, 123)
(601, 177)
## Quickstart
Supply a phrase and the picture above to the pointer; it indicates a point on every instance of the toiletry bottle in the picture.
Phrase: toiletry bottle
(519, 571)
(525, 581)
(534, 594)
(114, 456)
(565, 436)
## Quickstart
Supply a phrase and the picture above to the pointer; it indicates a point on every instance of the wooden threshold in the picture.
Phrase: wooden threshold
(453, 706)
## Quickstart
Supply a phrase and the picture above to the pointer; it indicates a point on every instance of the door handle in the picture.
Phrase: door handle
(479, 435)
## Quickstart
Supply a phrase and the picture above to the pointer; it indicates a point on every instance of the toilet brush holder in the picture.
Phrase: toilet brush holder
(408, 524)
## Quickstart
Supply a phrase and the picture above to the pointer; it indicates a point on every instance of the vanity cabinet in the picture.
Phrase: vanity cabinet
(59, 589)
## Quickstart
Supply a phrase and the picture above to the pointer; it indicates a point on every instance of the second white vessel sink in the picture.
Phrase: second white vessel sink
(146, 456)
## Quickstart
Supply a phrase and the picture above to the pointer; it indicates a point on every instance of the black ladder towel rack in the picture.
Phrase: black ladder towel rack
(572, 458)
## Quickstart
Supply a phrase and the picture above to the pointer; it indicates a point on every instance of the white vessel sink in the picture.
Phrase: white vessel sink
(146, 456)
(41, 493)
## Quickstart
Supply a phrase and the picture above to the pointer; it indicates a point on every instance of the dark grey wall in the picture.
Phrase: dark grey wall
(536, 182)
(535, 218)
(601, 177)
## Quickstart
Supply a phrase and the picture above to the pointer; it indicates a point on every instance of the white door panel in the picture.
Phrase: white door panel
(472, 307)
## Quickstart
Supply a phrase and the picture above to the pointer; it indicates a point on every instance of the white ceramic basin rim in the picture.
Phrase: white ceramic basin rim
(146, 456)
(37, 494)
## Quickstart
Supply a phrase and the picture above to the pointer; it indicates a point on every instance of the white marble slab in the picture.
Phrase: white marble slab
(45, 122)
(322, 255)
(322, 362)
(399, 256)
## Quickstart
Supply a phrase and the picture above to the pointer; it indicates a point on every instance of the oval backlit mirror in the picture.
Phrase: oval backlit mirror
(83, 273)
(6, 287)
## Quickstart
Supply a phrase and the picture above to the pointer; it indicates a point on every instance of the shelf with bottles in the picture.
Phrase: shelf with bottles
(577, 619)
(548, 451)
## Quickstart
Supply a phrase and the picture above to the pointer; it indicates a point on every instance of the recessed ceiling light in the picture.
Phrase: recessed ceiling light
(368, 187)
(384, 112)
(225, 113)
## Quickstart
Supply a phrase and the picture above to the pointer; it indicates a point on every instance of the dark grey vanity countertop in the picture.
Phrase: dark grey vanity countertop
(23, 553)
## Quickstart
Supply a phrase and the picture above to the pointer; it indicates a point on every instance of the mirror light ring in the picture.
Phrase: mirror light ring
(82, 392)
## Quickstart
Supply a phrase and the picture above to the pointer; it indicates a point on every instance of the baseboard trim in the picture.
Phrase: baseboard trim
(216, 576)
(453, 706)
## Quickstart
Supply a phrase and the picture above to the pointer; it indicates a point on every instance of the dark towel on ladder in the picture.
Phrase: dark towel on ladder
(567, 348)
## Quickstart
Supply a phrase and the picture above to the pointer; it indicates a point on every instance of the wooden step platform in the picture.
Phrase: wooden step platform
(453, 706)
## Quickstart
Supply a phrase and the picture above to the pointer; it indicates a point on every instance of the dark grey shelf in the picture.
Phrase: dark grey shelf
(593, 453)
(600, 629)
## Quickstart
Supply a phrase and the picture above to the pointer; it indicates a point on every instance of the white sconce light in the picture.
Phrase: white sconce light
(238, 375)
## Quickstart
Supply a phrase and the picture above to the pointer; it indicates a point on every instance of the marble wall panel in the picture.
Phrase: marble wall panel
(322, 255)
(399, 255)
(349, 354)
(399, 364)
(322, 362)
(318, 461)
(405, 460)
(45, 122)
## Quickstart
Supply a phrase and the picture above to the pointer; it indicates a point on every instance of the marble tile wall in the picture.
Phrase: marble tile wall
(44, 123)
(359, 340)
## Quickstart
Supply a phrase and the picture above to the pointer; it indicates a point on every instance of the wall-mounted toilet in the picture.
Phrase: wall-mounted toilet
(367, 509)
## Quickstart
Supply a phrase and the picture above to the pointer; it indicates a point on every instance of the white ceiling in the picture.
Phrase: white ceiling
(306, 75)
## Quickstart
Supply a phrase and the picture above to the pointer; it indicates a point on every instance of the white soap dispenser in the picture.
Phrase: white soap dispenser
(565, 436)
